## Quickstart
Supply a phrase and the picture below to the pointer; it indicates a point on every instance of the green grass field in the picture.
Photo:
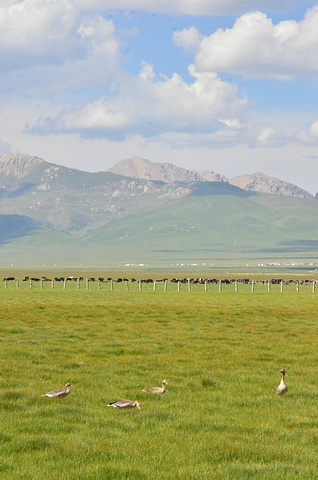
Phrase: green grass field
(220, 352)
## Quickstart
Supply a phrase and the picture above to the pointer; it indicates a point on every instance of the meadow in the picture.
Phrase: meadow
(220, 352)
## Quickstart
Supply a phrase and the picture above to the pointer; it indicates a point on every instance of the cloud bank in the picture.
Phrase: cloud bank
(257, 48)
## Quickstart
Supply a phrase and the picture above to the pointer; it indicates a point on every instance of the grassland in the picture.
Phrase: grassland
(220, 352)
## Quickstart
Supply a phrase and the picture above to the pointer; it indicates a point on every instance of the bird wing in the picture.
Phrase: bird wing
(55, 393)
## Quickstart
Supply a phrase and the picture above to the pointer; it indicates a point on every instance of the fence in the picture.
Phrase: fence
(165, 285)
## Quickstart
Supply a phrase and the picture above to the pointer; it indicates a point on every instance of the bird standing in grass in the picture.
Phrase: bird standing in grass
(124, 404)
(282, 387)
(59, 392)
(157, 389)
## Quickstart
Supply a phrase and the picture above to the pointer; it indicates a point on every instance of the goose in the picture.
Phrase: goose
(282, 388)
(124, 404)
(157, 389)
(59, 392)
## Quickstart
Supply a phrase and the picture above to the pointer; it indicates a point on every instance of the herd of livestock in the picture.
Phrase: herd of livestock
(187, 280)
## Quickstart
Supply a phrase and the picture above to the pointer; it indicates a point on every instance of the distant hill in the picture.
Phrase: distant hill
(58, 215)
(258, 182)
(137, 167)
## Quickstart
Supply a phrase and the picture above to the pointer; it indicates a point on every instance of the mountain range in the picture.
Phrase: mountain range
(140, 211)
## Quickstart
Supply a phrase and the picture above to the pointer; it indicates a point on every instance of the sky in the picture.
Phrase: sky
(224, 85)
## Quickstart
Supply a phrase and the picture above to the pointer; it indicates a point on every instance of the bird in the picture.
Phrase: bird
(282, 388)
(157, 389)
(59, 392)
(125, 404)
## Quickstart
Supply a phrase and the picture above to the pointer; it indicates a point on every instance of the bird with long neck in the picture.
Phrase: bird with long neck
(158, 389)
(59, 392)
(282, 387)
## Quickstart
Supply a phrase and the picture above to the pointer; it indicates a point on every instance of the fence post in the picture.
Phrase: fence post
(140, 285)
(166, 285)
(64, 284)
(178, 285)
(127, 284)
(269, 286)
(297, 286)
(99, 285)
(189, 285)
(206, 286)
(253, 285)
(41, 284)
(313, 286)
(282, 286)
(17, 283)
(220, 286)
(78, 284)
(236, 286)
(112, 285)
(52, 284)
(154, 285)
(31, 284)
(5, 283)
(87, 283)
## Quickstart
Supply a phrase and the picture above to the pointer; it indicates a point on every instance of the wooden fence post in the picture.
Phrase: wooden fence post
(64, 284)
(154, 285)
(5, 283)
(17, 283)
(269, 286)
(220, 286)
(178, 285)
(236, 287)
(112, 285)
(206, 286)
(189, 285)
(52, 284)
(31, 284)
(87, 284)
(253, 286)
(41, 284)
(127, 284)
(166, 285)
(140, 285)
(78, 284)
(297, 286)
(313, 286)
(99, 285)
(282, 286)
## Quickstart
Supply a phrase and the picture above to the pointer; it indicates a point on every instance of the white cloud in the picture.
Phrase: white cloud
(189, 38)
(38, 31)
(255, 47)
(149, 105)
(191, 7)
(309, 137)
(49, 48)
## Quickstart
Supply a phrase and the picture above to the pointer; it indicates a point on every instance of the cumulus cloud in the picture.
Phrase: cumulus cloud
(151, 105)
(309, 137)
(191, 7)
(255, 47)
(49, 48)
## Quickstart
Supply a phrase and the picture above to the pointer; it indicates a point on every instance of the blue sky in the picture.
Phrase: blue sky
(224, 85)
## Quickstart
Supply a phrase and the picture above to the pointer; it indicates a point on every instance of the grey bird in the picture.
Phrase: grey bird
(157, 389)
(124, 404)
(59, 392)
(282, 387)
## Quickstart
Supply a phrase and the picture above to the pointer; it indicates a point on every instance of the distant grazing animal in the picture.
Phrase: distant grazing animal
(157, 389)
(124, 404)
(282, 388)
(59, 392)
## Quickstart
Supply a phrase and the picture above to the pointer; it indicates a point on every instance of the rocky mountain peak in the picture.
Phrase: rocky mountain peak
(258, 182)
(18, 164)
(137, 167)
